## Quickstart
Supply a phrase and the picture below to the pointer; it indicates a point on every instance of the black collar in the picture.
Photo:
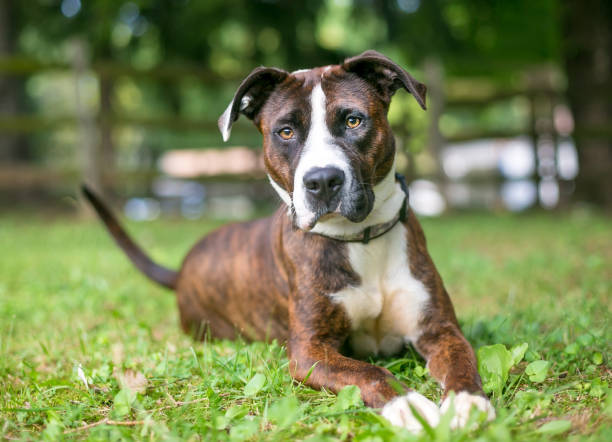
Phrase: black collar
(376, 230)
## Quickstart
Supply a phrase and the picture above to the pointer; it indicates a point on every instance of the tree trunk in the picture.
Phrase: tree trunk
(434, 77)
(13, 147)
(588, 61)
(106, 148)
(96, 145)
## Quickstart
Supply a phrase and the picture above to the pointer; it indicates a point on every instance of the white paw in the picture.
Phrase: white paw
(464, 402)
(399, 413)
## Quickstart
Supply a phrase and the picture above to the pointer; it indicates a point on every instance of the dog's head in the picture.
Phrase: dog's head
(327, 142)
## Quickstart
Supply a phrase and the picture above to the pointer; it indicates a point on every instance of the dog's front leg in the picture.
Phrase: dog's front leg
(317, 329)
(451, 361)
(319, 365)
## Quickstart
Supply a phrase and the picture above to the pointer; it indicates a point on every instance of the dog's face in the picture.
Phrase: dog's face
(326, 138)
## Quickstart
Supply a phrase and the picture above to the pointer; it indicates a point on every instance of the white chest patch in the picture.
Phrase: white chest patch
(386, 308)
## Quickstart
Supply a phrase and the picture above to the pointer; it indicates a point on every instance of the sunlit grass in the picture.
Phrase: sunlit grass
(69, 299)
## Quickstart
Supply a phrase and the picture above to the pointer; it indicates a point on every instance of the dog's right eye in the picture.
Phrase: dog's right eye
(286, 133)
(352, 122)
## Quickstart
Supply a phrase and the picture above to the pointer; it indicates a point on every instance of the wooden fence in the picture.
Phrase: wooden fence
(105, 120)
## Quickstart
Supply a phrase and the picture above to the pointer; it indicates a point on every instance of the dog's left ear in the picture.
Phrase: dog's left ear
(250, 96)
(386, 75)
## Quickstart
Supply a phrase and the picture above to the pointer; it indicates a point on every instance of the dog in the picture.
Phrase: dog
(343, 263)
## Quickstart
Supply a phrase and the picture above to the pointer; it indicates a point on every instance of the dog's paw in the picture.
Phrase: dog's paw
(464, 402)
(399, 412)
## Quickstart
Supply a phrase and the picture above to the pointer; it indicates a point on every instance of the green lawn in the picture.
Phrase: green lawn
(72, 307)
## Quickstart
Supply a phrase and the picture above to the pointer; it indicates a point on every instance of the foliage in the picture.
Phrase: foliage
(471, 36)
(86, 340)
(494, 364)
(491, 40)
(486, 48)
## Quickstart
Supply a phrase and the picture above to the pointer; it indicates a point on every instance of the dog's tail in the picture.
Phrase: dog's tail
(157, 273)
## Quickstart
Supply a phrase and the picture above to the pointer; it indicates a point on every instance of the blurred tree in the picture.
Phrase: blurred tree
(473, 37)
(13, 146)
(588, 62)
(493, 39)
(50, 24)
(227, 37)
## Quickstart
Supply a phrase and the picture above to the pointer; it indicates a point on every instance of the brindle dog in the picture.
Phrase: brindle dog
(313, 275)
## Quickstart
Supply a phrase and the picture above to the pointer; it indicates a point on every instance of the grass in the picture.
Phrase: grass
(73, 312)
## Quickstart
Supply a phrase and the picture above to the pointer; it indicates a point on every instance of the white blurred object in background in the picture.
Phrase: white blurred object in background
(549, 192)
(467, 163)
(519, 194)
(516, 158)
(142, 209)
(192, 163)
(425, 198)
(567, 160)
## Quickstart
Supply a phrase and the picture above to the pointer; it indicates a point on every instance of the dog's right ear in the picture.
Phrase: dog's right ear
(250, 96)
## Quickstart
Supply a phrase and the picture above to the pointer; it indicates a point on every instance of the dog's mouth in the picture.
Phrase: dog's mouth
(322, 218)
(314, 218)
(354, 210)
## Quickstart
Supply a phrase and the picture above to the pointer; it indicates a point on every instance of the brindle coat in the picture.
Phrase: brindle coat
(267, 279)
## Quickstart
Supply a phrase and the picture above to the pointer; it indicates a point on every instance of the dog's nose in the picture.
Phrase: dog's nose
(324, 183)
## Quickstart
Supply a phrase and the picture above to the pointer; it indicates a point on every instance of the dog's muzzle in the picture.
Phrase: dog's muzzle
(360, 203)
(328, 191)
(323, 184)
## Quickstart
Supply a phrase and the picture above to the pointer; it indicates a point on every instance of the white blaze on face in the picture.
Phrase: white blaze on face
(319, 151)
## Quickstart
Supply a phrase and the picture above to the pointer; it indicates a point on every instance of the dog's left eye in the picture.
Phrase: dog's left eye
(352, 122)
(286, 133)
